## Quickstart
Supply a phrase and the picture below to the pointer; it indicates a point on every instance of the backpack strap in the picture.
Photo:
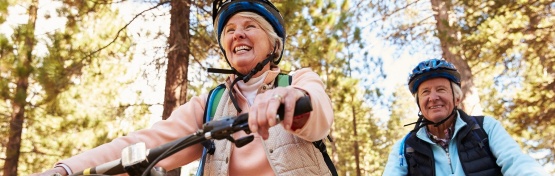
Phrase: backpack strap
(480, 134)
(320, 145)
(283, 80)
(402, 148)
(477, 130)
(214, 97)
(214, 101)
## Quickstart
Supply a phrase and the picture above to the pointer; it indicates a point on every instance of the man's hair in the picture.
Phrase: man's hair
(457, 91)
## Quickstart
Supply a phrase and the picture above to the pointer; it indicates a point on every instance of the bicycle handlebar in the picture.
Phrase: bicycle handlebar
(136, 158)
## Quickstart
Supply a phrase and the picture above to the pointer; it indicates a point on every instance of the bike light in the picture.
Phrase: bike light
(133, 158)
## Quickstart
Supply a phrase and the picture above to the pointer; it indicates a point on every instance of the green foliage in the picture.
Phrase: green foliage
(323, 36)
(356, 135)
(407, 24)
(85, 117)
(511, 43)
(3, 10)
(6, 54)
(77, 80)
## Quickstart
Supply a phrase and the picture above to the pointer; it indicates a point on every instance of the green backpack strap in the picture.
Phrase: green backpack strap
(283, 80)
(209, 146)
(218, 92)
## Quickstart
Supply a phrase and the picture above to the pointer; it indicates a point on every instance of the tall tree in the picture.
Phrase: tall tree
(19, 102)
(41, 68)
(446, 32)
(175, 93)
(349, 141)
(178, 57)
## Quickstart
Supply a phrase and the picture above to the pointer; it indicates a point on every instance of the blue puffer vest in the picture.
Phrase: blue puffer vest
(473, 148)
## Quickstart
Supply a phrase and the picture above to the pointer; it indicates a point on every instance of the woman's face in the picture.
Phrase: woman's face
(245, 43)
(435, 98)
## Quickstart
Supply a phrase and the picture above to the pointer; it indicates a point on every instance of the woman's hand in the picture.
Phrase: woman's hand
(263, 112)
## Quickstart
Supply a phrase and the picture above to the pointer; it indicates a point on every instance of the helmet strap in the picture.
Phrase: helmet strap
(245, 78)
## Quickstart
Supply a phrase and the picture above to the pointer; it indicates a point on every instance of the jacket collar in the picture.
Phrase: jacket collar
(459, 124)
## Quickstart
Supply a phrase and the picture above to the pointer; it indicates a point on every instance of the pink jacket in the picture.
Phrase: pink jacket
(187, 119)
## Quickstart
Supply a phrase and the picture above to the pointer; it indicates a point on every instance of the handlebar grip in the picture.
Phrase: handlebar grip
(302, 106)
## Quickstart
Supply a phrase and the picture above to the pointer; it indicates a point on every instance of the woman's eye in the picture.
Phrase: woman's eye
(251, 26)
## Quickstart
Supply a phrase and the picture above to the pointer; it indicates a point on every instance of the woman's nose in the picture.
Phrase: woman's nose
(238, 34)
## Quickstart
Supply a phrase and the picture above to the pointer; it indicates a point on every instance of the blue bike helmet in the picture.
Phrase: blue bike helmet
(432, 68)
(222, 11)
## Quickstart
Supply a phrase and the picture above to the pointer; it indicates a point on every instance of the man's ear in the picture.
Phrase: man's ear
(458, 101)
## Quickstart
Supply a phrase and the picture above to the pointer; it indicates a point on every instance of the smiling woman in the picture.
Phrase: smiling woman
(251, 36)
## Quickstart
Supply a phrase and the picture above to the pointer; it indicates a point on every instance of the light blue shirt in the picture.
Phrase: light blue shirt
(508, 153)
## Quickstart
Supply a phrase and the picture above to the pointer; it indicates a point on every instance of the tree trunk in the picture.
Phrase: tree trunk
(355, 145)
(19, 100)
(448, 40)
(178, 61)
(178, 57)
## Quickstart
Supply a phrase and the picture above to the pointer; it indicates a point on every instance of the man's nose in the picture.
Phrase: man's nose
(433, 96)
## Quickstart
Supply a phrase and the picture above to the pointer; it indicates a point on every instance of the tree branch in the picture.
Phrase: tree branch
(124, 27)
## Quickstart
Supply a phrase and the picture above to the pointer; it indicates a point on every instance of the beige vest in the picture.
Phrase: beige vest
(289, 155)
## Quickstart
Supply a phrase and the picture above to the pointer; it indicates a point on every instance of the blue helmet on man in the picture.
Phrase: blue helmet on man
(432, 68)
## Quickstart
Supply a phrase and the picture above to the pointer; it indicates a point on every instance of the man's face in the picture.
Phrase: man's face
(435, 98)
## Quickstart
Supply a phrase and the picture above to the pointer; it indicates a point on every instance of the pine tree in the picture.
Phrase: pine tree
(62, 84)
